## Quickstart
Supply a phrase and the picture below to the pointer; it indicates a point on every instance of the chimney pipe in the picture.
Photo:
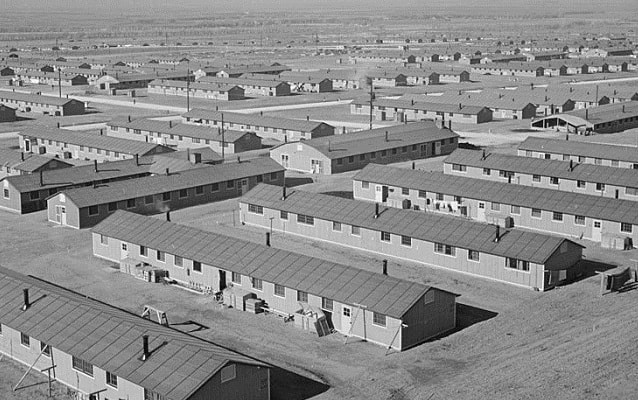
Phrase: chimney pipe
(386, 136)
(58, 125)
(567, 137)
(101, 132)
(509, 178)
(137, 159)
(385, 267)
(21, 156)
(170, 124)
(483, 156)
(238, 160)
(307, 117)
(376, 210)
(498, 234)
(283, 193)
(268, 239)
(41, 179)
(168, 216)
(167, 172)
(623, 108)
(571, 165)
(586, 114)
(413, 165)
(129, 118)
(145, 353)
(25, 294)
(95, 165)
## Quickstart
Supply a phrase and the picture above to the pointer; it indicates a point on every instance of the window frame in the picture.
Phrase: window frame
(379, 319)
(279, 288)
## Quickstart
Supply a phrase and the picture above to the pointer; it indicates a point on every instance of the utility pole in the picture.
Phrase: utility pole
(59, 83)
(188, 87)
(222, 128)
(371, 100)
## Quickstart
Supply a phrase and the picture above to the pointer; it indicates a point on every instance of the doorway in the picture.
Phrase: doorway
(596, 231)
(346, 319)
(222, 280)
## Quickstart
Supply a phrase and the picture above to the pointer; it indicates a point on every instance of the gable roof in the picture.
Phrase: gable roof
(535, 166)
(25, 161)
(380, 293)
(604, 208)
(149, 185)
(125, 146)
(430, 227)
(111, 338)
(585, 149)
(35, 98)
(362, 142)
(175, 128)
(254, 120)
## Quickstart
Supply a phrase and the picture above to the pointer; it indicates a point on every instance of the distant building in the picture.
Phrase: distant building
(352, 151)
(7, 114)
(47, 105)
(403, 110)
(202, 90)
(18, 163)
(608, 118)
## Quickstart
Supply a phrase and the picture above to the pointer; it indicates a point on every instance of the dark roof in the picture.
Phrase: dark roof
(111, 338)
(430, 227)
(380, 293)
(367, 141)
(125, 146)
(174, 128)
(536, 166)
(156, 184)
(86, 174)
(207, 154)
(35, 98)
(604, 208)
(596, 150)
(30, 163)
(254, 120)
(200, 84)
(607, 113)
(424, 103)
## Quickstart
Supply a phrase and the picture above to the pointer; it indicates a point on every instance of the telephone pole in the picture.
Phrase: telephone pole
(371, 100)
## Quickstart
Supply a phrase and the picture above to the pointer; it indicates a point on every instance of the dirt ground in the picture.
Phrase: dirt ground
(573, 342)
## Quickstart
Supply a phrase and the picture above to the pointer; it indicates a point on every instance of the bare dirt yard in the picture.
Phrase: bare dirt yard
(511, 343)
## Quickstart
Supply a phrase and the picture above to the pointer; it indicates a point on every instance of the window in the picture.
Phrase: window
(385, 236)
(495, 206)
(365, 185)
(351, 159)
(112, 206)
(536, 213)
(143, 251)
(553, 180)
(183, 193)
(444, 249)
(565, 157)
(384, 153)
(460, 168)
(94, 210)
(228, 373)
(339, 161)
(579, 220)
(257, 283)
(5, 193)
(130, 203)
(214, 187)
(355, 230)
(394, 151)
(520, 265)
(405, 191)
(473, 255)
(302, 296)
(34, 195)
(161, 256)
(104, 240)
(305, 219)
(516, 210)
(378, 319)
(283, 215)
(45, 349)
(111, 379)
(504, 174)
(236, 278)
(166, 196)
(614, 163)
(440, 197)
(625, 227)
(423, 194)
(326, 304)
(557, 216)
(25, 340)
(82, 366)
(230, 184)
(600, 187)
(406, 240)
(255, 209)
(373, 155)
(280, 290)
(178, 261)
(547, 156)
(598, 161)
(487, 171)
(362, 157)
(346, 311)
(536, 178)
(197, 266)
(336, 226)
(260, 178)
(199, 190)
(580, 184)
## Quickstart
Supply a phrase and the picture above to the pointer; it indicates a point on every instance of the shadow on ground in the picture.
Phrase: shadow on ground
(586, 269)
(287, 385)
(292, 182)
(343, 194)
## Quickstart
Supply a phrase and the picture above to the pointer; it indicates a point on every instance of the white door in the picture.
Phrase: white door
(437, 148)
(243, 186)
(480, 212)
(124, 251)
(58, 215)
(596, 230)
(378, 194)
(63, 215)
(284, 160)
(346, 319)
